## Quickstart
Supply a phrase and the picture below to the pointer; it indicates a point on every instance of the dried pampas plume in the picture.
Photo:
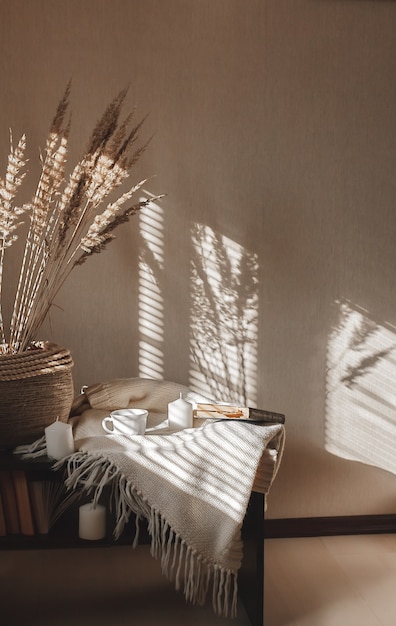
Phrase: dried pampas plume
(66, 224)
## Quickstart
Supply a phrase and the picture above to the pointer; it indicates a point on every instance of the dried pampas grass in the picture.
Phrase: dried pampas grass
(65, 223)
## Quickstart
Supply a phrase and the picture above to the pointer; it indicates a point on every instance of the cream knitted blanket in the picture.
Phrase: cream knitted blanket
(192, 486)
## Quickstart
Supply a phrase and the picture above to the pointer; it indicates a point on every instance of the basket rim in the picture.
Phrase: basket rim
(46, 357)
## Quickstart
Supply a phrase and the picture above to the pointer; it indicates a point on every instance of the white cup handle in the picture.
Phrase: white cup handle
(104, 424)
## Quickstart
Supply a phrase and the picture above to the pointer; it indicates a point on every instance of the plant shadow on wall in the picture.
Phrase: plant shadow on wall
(224, 316)
(361, 394)
(224, 310)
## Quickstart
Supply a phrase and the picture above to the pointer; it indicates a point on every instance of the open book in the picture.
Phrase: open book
(49, 500)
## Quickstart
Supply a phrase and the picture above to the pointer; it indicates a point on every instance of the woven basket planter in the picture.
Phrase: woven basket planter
(36, 388)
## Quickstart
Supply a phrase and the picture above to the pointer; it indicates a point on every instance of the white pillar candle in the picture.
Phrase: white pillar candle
(180, 414)
(59, 440)
(92, 521)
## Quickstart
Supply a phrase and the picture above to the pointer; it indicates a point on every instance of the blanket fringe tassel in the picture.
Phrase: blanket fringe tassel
(179, 562)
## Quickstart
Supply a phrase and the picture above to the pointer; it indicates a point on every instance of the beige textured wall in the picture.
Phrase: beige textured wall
(274, 124)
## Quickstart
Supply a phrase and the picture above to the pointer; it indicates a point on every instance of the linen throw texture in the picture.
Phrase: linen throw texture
(192, 486)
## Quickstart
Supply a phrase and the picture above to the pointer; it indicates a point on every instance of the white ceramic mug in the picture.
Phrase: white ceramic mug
(126, 422)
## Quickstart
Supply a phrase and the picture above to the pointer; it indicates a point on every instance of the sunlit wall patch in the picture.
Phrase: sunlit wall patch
(361, 390)
(224, 318)
(151, 304)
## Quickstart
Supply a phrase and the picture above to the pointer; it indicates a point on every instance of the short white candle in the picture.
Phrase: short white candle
(180, 414)
(59, 440)
(92, 521)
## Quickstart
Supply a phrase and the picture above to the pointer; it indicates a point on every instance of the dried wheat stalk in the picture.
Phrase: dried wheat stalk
(65, 222)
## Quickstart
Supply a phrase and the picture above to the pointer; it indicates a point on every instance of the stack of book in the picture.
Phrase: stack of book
(29, 507)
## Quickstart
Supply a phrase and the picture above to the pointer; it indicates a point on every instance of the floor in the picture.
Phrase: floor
(329, 581)
(95, 587)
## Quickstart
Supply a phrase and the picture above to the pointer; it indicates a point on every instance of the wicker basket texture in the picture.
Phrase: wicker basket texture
(36, 388)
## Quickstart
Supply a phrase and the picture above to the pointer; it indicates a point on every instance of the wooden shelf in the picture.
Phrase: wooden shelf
(64, 533)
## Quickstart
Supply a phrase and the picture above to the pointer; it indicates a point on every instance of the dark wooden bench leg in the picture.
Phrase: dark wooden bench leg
(251, 575)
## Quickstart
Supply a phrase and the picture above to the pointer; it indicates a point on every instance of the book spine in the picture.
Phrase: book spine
(260, 415)
(23, 502)
(8, 497)
(39, 505)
